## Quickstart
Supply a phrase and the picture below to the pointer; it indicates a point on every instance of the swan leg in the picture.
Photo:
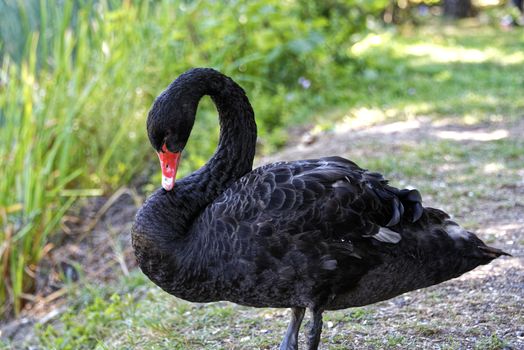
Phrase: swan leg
(315, 329)
(290, 341)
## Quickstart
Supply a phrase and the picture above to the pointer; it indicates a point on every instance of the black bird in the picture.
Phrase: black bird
(317, 234)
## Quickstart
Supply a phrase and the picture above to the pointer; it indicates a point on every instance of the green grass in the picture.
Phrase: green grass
(471, 74)
(491, 343)
(113, 317)
(133, 313)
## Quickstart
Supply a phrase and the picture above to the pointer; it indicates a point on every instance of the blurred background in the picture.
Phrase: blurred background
(77, 79)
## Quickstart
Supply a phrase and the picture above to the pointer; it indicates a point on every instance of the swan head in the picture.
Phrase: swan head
(169, 125)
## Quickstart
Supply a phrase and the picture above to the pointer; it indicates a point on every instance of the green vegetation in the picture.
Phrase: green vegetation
(77, 78)
(491, 343)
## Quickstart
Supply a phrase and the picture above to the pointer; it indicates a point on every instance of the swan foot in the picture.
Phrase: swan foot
(315, 329)
(290, 341)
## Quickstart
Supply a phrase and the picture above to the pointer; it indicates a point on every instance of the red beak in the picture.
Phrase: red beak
(169, 163)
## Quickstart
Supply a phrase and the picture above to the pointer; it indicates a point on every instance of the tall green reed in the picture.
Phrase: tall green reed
(60, 126)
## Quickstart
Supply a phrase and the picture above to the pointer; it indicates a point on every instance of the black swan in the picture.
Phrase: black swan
(317, 234)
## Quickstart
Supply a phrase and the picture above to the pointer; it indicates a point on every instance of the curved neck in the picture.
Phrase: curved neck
(232, 159)
(235, 152)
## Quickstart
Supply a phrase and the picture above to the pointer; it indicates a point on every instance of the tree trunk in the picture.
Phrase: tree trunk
(458, 8)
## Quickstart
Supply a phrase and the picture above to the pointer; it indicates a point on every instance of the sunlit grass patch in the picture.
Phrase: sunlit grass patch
(434, 72)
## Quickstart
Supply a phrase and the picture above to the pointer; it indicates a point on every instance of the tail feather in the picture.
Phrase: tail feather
(493, 253)
(439, 234)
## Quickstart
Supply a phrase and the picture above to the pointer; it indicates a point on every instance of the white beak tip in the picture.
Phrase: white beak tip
(168, 183)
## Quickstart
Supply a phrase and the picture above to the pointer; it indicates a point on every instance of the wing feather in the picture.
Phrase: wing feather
(325, 192)
(328, 214)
